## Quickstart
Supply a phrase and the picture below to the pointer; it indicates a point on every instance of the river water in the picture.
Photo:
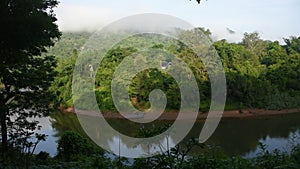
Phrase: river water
(233, 136)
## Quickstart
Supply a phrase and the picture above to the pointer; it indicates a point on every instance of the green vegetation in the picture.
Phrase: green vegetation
(25, 74)
(259, 73)
(72, 146)
(68, 43)
(77, 152)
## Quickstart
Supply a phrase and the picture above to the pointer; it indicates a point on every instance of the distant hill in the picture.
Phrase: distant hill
(69, 42)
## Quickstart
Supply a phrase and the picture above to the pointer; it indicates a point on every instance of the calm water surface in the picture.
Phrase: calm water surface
(234, 136)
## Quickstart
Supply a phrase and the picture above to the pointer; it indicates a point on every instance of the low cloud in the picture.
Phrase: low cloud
(223, 33)
(83, 18)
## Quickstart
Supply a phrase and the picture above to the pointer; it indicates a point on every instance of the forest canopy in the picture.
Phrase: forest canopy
(260, 73)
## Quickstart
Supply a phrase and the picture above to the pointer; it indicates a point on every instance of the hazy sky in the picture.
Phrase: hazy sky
(273, 19)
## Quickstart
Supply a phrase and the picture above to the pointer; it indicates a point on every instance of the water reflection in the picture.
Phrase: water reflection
(117, 145)
(282, 144)
(51, 142)
(241, 136)
(234, 136)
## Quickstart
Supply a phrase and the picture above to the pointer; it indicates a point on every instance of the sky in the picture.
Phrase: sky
(272, 19)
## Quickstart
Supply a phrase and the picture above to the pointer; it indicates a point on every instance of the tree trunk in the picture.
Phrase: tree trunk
(4, 134)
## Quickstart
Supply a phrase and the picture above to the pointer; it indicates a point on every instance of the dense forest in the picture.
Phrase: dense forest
(259, 73)
(37, 62)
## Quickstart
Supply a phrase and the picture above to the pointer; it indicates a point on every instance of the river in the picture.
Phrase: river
(234, 136)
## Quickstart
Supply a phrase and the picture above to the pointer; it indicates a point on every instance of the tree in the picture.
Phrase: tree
(292, 44)
(28, 29)
(275, 54)
(198, 1)
(73, 146)
(62, 85)
(254, 44)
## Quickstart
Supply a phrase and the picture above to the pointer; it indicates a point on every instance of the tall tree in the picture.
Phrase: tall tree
(27, 29)
(292, 44)
(254, 43)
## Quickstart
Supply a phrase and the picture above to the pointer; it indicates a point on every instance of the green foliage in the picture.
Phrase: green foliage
(173, 158)
(62, 85)
(25, 74)
(260, 74)
(72, 146)
(292, 45)
(179, 158)
(215, 158)
(77, 152)
(68, 43)
(296, 155)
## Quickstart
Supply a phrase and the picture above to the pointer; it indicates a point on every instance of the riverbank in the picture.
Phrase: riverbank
(244, 113)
